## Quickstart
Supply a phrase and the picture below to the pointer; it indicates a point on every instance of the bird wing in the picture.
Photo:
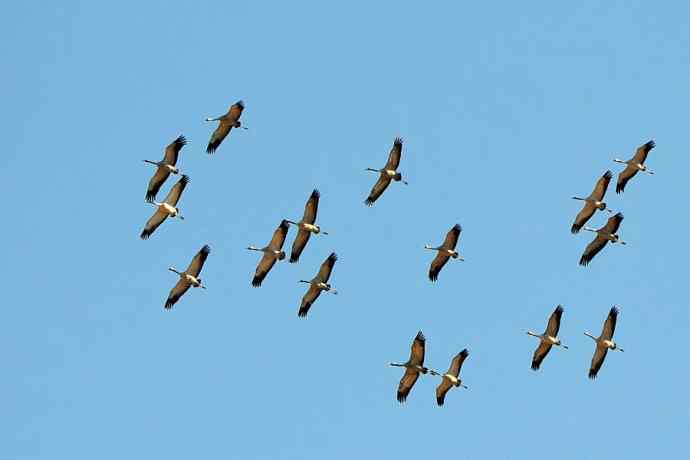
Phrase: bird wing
(153, 223)
(235, 111)
(583, 216)
(279, 235)
(597, 361)
(156, 182)
(602, 184)
(417, 351)
(610, 324)
(265, 265)
(452, 237)
(327, 267)
(456, 363)
(442, 389)
(406, 383)
(299, 244)
(218, 135)
(624, 176)
(613, 223)
(176, 191)
(394, 156)
(198, 261)
(593, 249)
(309, 298)
(436, 265)
(377, 190)
(176, 292)
(642, 152)
(539, 355)
(554, 322)
(172, 151)
(312, 207)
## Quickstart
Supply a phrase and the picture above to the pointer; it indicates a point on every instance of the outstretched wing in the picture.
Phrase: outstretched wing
(153, 223)
(155, 183)
(176, 191)
(299, 244)
(583, 216)
(593, 249)
(279, 235)
(394, 155)
(437, 264)
(642, 152)
(554, 322)
(197, 263)
(456, 363)
(235, 111)
(309, 298)
(452, 237)
(602, 184)
(597, 361)
(610, 324)
(267, 262)
(624, 176)
(176, 292)
(442, 389)
(327, 267)
(312, 207)
(417, 351)
(172, 151)
(539, 355)
(377, 190)
(407, 381)
(218, 135)
(613, 223)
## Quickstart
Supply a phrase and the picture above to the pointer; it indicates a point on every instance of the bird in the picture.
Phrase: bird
(635, 164)
(165, 167)
(272, 253)
(593, 202)
(451, 378)
(306, 226)
(445, 251)
(413, 367)
(317, 284)
(189, 277)
(228, 121)
(604, 342)
(387, 173)
(167, 208)
(604, 235)
(548, 339)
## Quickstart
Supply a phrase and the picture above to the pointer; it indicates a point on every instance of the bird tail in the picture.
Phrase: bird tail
(397, 177)
(281, 256)
(602, 206)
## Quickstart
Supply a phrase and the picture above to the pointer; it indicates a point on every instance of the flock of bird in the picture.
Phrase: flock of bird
(307, 226)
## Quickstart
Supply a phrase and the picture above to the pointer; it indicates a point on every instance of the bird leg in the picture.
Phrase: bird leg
(564, 346)
(464, 386)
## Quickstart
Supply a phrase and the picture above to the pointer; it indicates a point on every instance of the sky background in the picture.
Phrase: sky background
(507, 110)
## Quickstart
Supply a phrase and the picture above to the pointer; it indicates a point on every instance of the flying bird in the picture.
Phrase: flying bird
(548, 339)
(165, 167)
(413, 367)
(167, 208)
(306, 226)
(635, 164)
(228, 121)
(387, 173)
(272, 253)
(451, 378)
(604, 343)
(593, 202)
(604, 235)
(317, 284)
(189, 277)
(445, 251)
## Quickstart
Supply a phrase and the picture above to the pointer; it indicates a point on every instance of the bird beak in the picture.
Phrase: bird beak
(607, 209)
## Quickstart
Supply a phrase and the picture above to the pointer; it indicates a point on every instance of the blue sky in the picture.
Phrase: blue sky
(507, 110)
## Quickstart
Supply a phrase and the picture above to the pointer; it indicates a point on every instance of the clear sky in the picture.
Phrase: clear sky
(507, 110)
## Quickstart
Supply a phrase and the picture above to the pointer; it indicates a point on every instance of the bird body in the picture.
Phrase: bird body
(634, 165)
(605, 234)
(444, 252)
(387, 173)
(413, 367)
(548, 339)
(317, 285)
(451, 378)
(592, 202)
(167, 208)
(188, 278)
(306, 226)
(165, 167)
(272, 253)
(604, 342)
(229, 120)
